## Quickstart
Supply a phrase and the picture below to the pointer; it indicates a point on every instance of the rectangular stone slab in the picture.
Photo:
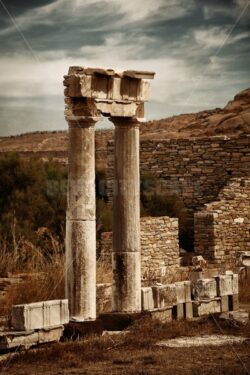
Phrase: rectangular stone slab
(180, 292)
(26, 339)
(204, 289)
(147, 300)
(204, 307)
(164, 295)
(39, 315)
(224, 285)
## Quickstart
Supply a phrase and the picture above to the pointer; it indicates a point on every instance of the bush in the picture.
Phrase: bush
(31, 196)
(156, 202)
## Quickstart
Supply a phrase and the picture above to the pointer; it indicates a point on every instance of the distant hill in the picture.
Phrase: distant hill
(232, 120)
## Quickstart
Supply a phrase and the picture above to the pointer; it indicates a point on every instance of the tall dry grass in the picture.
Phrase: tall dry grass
(40, 271)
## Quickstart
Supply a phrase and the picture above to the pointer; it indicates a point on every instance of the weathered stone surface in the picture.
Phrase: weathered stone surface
(26, 339)
(235, 278)
(204, 289)
(81, 268)
(80, 265)
(199, 262)
(178, 311)
(181, 292)
(187, 286)
(126, 218)
(206, 307)
(81, 178)
(159, 247)
(107, 84)
(201, 171)
(188, 310)
(224, 285)
(126, 282)
(39, 315)
(224, 303)
(205, 340)
(222, 227)
(164, 295)
(147, 300)
(164, 315)
(236, 318)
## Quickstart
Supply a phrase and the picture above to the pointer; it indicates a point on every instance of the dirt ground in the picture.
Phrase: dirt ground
(136, 354)
(168, 361)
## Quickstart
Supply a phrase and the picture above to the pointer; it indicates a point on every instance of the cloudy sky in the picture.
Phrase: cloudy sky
(199, 50)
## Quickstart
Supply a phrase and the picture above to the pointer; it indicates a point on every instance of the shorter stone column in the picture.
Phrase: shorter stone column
(81, 222)
(126, 218)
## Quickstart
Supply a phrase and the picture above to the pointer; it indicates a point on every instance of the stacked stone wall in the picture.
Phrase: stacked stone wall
(222, 228)
(194, 169)
(159, 246)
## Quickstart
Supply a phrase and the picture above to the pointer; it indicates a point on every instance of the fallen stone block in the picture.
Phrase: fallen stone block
(164, 295)
(206, 307)
(147, 299)
(236, 318)
(26, 339)
(204, 289)
(39, 315)
(164, 315)
(224, 285)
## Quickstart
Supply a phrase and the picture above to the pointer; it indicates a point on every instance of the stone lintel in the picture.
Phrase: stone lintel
(107, 84)
(138, 74)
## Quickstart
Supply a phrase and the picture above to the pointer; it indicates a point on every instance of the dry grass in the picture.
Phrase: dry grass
(103, 272)
(135, 353)
(42, 274)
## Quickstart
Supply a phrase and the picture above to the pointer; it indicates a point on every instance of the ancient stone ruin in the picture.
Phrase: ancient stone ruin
(91, 93)
(210, 174)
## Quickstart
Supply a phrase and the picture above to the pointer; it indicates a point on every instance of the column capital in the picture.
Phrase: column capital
(82, 121)
(127, 121)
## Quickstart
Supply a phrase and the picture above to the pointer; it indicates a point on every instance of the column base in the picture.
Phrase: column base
(75, 330)
(118, 321)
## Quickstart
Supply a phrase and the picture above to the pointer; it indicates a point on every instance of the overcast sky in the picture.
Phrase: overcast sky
(199, 50)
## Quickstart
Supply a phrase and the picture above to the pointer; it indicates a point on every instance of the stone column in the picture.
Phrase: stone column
(81, 222)
(126, 218)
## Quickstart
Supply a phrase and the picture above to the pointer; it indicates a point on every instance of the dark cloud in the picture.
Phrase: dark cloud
(195, 47)
(16, 7)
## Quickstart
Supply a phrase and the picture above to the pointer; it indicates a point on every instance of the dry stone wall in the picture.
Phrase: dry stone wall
(194, 169)
(222, 228)
(159, 246)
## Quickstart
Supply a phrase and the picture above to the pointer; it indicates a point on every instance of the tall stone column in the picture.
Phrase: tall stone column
(81, 220)
(126, 217)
